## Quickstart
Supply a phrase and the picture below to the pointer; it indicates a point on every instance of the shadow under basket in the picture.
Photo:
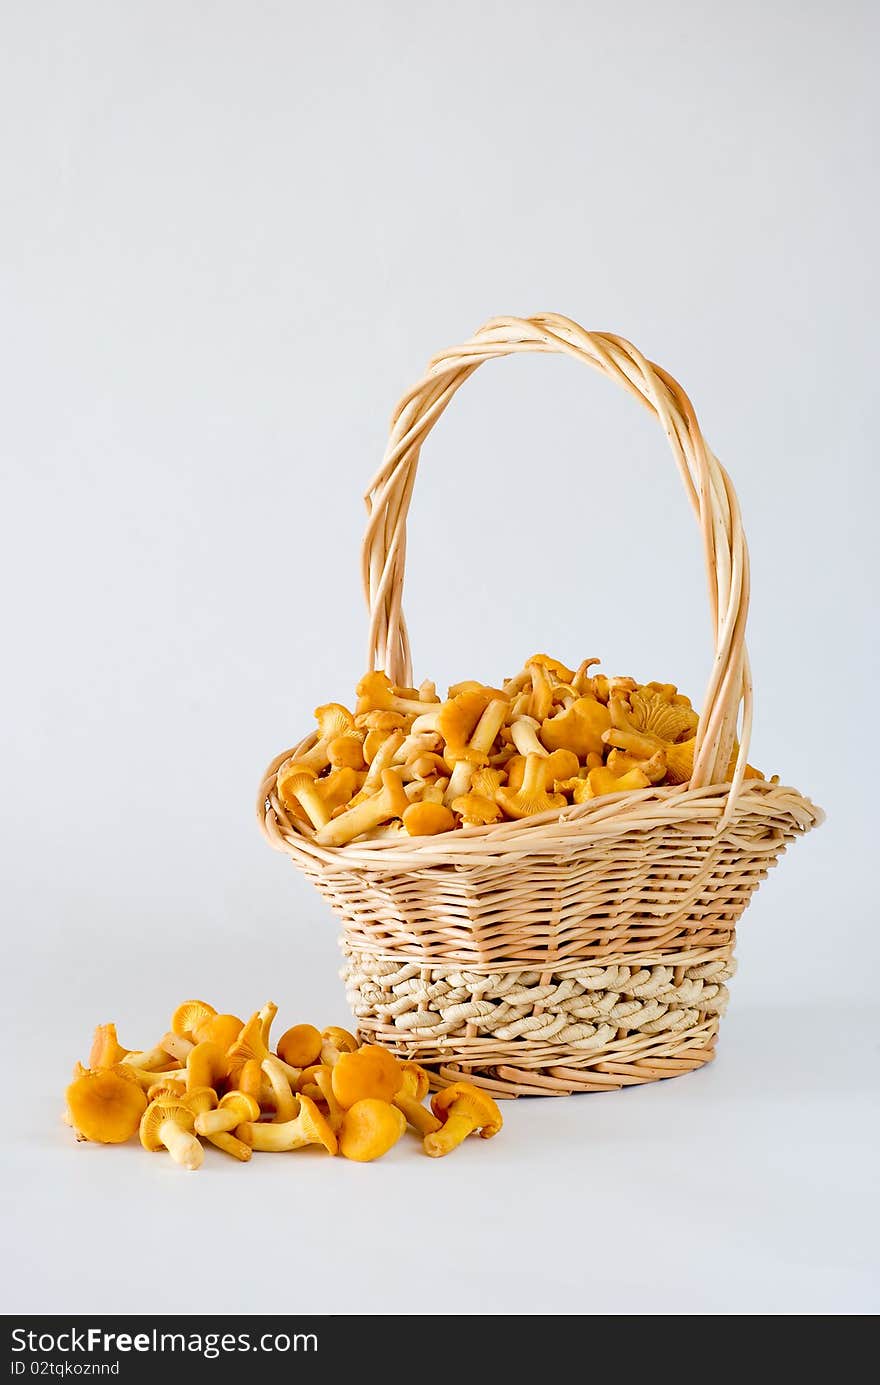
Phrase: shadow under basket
(575, 951)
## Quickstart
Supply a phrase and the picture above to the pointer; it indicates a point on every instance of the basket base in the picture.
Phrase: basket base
(570, 1029)
(506, 1081)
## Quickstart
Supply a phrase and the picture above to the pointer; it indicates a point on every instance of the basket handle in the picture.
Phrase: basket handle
(707, 484)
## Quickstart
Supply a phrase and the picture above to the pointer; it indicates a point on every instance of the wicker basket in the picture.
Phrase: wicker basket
(580, 950)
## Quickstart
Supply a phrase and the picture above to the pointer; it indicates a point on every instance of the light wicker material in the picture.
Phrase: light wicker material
(573, 951)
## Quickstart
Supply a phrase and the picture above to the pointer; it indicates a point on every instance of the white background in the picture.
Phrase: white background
(231, 235)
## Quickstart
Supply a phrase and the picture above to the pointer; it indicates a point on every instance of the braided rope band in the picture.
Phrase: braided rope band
(590, 1021)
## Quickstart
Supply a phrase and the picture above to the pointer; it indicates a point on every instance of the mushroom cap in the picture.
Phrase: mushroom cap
(300, 1046)
(601, 782)
(339, 787)
(207, 1065)
(476, 809)
(560, 671)
(427, 819)
(106, 1049)
(374, 692)
(416, 1082)
(168, 1086)
(105, 1105)
(315, 1125)
(346, 752)
(459, 716)
(333, 720)
(657, 714)
(369, 1129)
(200, 1099)
(249, 1044)
(471, 1101)
(188, 1016)
(368, 1072)
(340, 1038)
(517, 804)
(155, 1116)
(579, 728)
(241, 1102)
(219, 1029)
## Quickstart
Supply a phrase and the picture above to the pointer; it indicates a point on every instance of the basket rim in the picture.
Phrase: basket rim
(557, 832)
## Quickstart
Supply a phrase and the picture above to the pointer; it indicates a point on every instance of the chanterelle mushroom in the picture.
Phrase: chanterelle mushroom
(168, 1124)
(368, 1072)
(309, 1128)
(369, 1129)
(390, 802)
(463, 1109)
(105, 1105)
(579, 728)
(533, 796)
(427, 819)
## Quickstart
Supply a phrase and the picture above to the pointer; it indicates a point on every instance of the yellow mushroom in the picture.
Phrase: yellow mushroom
(336, 1041)
(203, 1104)
(390, 802)
(105, 1105)
(475, 810)
(370, 1071)
(416, 1085)
(475, 753)
(651, 711)
(561, 672)
(602, 781)
(297, 786)
(333, 720)
(106, 1049)
(524, 734)
(578, 729)
(219, 1029)
(176, 1046)
(339, 787)
(166, 1087)
(347, 752)
(188, 1016)
(463, 1110)
(300, 1046)
(308, 1128)
(283, 1099)
(375, 693)
(541, 700)
(533, 796)
(369, 1129)
(620, 763)
(317, 1083)
(486, 782)
(206, 1066)
(235, 1108)
(168, 1124)
(427, 819)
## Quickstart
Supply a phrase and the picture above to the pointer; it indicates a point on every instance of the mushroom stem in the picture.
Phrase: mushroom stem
(390, 802)
(176, 1046)
(449, 1136)
(150, 1061)
(210, 1123)
(231, 1145)
(524, 734)
(286, 1104)
(183, 1147)
(418, 1116)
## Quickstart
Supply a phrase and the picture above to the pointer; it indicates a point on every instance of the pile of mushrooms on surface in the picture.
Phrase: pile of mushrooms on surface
(406, 763)
(212, 1078)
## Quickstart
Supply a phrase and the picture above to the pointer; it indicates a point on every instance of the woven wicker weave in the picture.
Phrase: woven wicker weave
(573, 951)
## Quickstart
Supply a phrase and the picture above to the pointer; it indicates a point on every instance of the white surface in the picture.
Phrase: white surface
(232, 235)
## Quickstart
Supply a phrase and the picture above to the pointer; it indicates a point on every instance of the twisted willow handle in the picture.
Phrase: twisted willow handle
(707, 484)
